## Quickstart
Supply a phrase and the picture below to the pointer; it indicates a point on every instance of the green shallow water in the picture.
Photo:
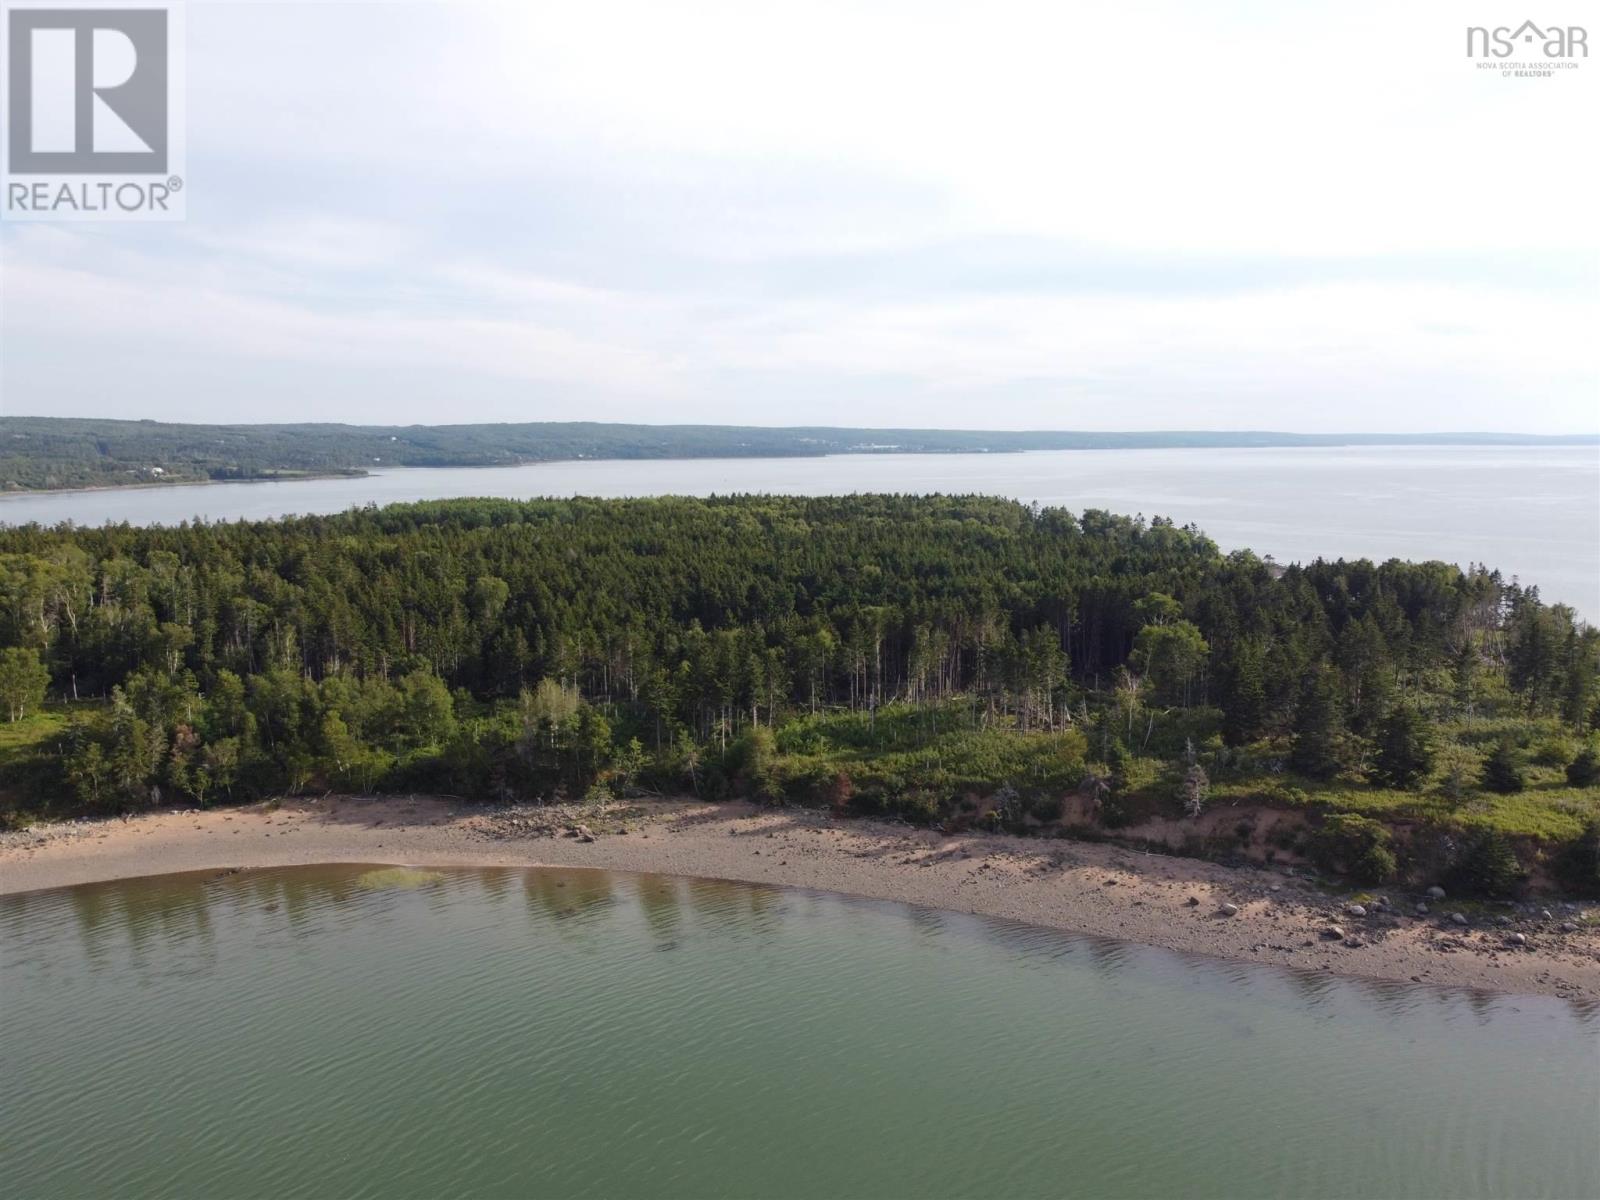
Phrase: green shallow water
(310, 1032)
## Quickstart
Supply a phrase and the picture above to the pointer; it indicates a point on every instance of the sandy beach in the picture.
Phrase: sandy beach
(1178, 903)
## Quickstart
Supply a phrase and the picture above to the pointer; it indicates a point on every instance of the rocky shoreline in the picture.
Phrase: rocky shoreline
(1286, 915)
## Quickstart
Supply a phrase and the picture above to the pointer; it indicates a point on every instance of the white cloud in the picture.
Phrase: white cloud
(660, 211)
(170, 313)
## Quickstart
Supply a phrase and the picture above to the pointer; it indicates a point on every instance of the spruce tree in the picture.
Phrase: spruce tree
(1405, 748)
(1244, 700)
(1501, 771)
(1584, 770)
(1319, 726)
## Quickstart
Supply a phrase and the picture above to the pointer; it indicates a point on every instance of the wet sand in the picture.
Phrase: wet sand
(1177, 903)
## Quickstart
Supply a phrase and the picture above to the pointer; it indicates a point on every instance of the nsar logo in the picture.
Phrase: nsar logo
(1553, 41)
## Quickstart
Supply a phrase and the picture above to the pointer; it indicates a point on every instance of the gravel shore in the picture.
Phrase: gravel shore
(1250, 914)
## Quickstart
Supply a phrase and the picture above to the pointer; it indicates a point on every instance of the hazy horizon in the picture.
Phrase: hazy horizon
(942, 428)
(881, 215)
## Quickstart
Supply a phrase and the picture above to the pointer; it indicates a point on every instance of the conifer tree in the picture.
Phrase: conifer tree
(1501, 771)
(1244, 699)
(1405, 748)
(1319, 726)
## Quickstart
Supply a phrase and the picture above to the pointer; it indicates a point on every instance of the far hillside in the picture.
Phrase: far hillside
(41, 453)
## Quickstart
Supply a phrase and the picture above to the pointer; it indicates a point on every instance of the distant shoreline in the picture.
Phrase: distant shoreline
(153, 485)
(1082, 887)
(1361, 441)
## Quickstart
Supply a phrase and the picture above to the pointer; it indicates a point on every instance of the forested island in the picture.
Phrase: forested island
(44, 453)
(966, 662)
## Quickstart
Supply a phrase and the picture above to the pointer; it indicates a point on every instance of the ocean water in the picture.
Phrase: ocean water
(329, 1032)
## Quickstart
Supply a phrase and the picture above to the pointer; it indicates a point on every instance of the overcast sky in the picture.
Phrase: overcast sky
(1061, 215)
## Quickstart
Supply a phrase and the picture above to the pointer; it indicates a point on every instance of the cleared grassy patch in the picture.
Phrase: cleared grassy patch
(1547, 810)
(28, 735)
(27, 763)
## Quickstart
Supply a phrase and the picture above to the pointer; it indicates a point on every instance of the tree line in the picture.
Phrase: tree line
(502, 648)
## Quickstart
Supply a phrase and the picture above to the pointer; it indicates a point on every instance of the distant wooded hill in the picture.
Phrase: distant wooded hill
(67, 452)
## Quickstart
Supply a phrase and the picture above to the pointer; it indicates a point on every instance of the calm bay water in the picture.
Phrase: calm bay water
(300, 1032)
(1532, 512)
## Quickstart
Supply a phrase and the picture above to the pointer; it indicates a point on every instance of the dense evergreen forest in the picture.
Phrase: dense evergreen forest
(961, 660)
(68, 452)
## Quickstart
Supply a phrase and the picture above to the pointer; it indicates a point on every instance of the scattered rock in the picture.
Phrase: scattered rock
(1458, 918)
(1193, 901)
(585, 834)
(1569, 927)
(1356, 910)
(1518, 939)
(1545, 915)
(1229, 910)
(1334, 931)
(1436, 892)
(1422, 910)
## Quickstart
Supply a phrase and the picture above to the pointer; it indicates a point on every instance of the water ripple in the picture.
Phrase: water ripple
(292, 1033)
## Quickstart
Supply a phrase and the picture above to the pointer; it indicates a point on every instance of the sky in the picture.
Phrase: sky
(1311, 216)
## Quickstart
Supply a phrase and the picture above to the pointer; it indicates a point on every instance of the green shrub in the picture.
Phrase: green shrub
(1554, 751)
(1286, 837)
(1459, 771)
(1044, 806)
(1502, 772)
(1121, 809)
(752, 763)
(918, 806)
(808, 783)
(1577, 866)
(1375, 865)
(1584, 770)
(1181, 727)
(1484, 864)
(1353, 845)
(1282, 795)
